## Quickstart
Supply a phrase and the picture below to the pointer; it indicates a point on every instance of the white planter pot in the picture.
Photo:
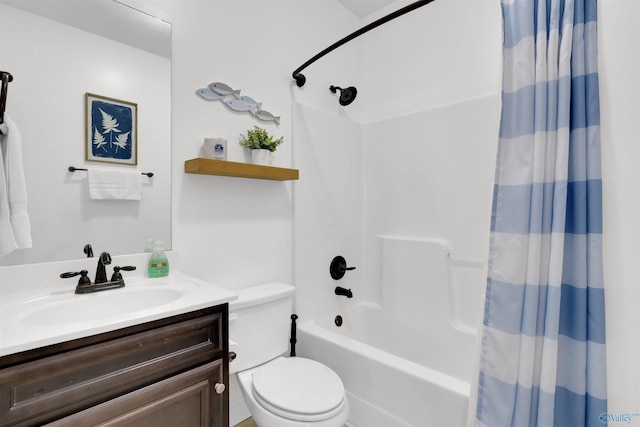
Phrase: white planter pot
(261, 157)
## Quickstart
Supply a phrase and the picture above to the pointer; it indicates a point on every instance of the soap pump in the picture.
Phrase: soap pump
(158, 262)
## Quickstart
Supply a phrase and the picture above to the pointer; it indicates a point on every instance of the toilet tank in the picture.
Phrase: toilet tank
(260, 324)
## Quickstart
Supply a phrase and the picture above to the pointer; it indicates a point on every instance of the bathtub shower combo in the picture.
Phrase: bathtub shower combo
(403, 340)
(407, 361)
(405, 343)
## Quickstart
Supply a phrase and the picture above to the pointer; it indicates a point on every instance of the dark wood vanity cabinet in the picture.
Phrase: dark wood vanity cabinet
(169, 372)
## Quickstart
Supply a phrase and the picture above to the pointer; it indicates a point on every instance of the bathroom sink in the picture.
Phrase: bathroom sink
(38, 308)
(69, 308)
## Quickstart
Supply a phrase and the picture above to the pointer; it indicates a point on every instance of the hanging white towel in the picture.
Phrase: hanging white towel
(15, 225)
(7, 241)
(114, 184)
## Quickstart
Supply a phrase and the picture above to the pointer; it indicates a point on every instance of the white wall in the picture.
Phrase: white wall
(230, 231)
(440, 54)
(619, 61)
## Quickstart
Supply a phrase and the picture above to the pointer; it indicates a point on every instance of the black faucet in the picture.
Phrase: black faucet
(101, 283)
(345, 292)
(101, 272)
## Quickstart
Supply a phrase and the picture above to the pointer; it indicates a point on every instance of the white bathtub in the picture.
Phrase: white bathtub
(394, 374)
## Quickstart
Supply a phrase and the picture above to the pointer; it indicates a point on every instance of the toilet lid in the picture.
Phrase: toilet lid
(299, 388)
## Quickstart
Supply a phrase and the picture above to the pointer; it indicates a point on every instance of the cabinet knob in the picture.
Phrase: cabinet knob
(220, 388)
(232, 356)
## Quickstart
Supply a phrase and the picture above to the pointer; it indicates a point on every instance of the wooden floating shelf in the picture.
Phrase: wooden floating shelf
(241, 170)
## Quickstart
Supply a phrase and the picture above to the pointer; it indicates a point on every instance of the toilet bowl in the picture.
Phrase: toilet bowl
(294, 392)
(279, 391)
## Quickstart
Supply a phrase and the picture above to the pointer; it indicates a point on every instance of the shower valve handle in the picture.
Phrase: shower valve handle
(338, 267)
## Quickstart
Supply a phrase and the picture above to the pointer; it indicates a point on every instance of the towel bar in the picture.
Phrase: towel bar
(73, 169)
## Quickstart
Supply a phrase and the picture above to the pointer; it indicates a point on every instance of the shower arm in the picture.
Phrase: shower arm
(301, 79)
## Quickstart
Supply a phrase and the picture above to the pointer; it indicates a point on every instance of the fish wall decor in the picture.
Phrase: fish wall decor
(218, 91)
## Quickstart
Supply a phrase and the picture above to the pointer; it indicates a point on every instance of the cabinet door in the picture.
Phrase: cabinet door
(185, 400)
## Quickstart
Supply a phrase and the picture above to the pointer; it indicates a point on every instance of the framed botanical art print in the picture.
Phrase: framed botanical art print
(111, 130)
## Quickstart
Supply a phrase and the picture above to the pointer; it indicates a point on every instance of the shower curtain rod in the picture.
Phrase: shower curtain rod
(301, 79)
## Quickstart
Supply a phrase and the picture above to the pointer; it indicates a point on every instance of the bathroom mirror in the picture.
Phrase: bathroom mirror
(57, 51)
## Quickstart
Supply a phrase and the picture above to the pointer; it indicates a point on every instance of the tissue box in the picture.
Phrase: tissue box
(215, 148)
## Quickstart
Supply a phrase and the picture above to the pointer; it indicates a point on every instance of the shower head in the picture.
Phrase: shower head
(346, 95)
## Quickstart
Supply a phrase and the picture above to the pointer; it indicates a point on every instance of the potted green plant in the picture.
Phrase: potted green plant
(261, 144)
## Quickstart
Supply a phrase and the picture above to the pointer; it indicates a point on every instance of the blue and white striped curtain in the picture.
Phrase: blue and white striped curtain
(543, 341)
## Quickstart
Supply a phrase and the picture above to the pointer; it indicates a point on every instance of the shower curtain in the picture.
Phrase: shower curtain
(542, 356)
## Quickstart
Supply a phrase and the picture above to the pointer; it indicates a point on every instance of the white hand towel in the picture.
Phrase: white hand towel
(115, 184)
(7, 240)
(15, 189)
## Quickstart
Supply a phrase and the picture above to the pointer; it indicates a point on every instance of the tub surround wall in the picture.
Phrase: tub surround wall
(328, 209)
(389, 181)
(421, 168)
(407, 209)
(429, 177)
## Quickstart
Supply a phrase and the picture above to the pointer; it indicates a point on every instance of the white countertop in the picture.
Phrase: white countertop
(30, 316)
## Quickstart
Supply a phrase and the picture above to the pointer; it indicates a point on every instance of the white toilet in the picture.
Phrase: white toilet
(279, 391)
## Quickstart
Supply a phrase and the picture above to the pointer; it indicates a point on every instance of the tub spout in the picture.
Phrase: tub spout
(345, 292)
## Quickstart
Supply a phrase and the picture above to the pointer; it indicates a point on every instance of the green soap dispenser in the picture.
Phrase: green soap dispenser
(158, 262)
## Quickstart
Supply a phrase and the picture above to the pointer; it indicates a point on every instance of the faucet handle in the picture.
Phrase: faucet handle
(116, 272)
(338, 267)
(83, 280)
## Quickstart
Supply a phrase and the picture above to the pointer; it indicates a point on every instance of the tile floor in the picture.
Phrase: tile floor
(247, 423)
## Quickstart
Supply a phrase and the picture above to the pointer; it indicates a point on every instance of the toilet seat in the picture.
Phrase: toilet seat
(299, 389)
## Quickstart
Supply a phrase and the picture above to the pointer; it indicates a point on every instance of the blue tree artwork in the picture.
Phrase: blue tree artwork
(111, 130)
